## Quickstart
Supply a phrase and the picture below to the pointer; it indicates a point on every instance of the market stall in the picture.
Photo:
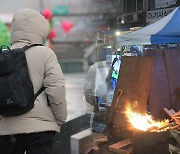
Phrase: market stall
(166, 30)
(145, 108)
(166, 61)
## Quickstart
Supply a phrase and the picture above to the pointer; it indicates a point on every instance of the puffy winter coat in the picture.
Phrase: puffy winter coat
(28, 27)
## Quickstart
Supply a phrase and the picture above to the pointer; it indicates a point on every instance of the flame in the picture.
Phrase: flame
(144, 122)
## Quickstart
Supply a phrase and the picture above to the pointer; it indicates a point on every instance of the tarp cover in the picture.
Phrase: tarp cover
(166, 30)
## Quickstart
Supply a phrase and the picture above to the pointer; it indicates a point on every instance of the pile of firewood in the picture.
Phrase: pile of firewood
(176, 120)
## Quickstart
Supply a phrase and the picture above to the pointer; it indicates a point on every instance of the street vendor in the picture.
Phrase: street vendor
(101, 81)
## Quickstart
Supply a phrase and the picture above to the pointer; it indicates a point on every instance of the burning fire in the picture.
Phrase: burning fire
(144, 122)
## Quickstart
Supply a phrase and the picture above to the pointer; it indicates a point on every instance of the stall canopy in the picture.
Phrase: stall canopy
(166, 30)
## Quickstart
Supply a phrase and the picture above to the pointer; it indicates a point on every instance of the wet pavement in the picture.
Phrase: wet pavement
(78, 119)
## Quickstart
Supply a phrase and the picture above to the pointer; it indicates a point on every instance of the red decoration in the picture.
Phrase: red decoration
(52, 34)
(47, 14)
(67, 26)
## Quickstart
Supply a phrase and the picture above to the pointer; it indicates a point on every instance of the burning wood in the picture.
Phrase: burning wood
(174, 123)
(175, 118)
(145, 122)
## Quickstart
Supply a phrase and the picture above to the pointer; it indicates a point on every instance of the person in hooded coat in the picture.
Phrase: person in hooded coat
(33, 131)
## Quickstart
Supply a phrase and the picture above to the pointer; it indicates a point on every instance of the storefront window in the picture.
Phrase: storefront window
(129, 6)
(133, 6)
(152, 4)
(139, 5)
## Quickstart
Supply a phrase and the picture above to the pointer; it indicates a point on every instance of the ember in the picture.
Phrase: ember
(176, 119)
(144, 122)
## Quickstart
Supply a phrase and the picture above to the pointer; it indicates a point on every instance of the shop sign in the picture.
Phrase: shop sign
(153, 16)
(164, 3)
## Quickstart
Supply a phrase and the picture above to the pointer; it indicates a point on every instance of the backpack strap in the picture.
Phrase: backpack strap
(31, 45)
(42, 88)
(39, 92)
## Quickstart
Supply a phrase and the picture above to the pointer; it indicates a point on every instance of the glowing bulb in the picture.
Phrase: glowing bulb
(117, 33)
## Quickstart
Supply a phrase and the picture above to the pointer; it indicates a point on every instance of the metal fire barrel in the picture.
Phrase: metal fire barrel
(151, 142)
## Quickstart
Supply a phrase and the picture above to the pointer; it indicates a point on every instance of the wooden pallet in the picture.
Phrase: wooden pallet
(122, 147)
